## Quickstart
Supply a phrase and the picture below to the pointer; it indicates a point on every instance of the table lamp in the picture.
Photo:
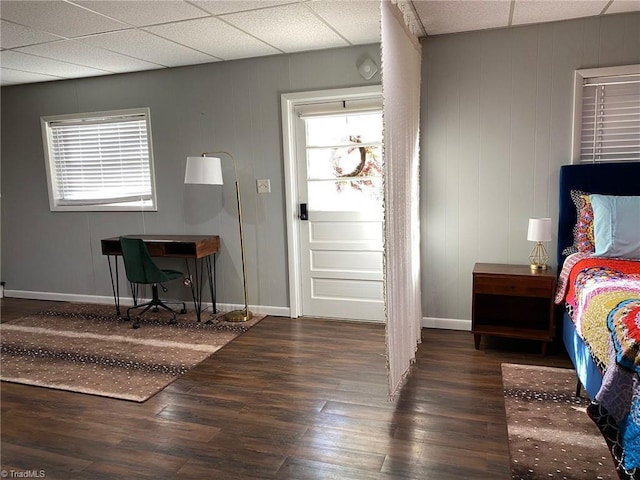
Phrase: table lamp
(207, 170)
(539, 231)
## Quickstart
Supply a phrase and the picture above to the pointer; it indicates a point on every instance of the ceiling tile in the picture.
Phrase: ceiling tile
(214, 37)
(218, 7)
(620, 6)
(60, 18)
(15, 77)
(132, 35)
(139, 13)
(440, 17)
(75, 51)
(45, 66)
(290, 28)
(357, 21)
(12, 35)
(537, 11)
(149, 47)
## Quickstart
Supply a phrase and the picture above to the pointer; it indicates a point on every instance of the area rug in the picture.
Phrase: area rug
(89, 349)
(550, 434)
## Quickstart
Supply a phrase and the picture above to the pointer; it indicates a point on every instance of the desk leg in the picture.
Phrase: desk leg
(197, 283)
(135, 292)
(196, 288)
(115, 285)
(212, 281)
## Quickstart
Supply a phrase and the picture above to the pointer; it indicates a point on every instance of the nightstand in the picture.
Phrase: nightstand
(513, 301)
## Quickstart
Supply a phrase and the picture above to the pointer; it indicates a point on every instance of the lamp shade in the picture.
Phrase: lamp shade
(539, 230)
(203, 170)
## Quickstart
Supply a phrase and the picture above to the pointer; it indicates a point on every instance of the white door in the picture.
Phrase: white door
(339, 173)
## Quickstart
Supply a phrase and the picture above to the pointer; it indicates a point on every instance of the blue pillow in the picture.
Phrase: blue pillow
(616, 223)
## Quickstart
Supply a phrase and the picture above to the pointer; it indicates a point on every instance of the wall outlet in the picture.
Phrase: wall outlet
(264, 186)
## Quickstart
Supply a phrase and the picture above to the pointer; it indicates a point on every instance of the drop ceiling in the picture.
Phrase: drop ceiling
(46, 40)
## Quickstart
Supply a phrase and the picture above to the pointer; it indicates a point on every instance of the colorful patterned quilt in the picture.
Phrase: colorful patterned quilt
(602, 297)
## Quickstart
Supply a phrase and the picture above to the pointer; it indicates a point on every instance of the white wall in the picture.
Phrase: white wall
(496, 127)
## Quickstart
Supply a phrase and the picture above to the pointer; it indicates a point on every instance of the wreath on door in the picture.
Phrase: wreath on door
(367, 166)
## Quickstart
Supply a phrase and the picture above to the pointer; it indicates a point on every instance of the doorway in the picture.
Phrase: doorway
(333, 174)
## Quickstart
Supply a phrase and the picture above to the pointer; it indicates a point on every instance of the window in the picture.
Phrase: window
(343, 147)
(99, 161)
(344, 161)
(607, 115)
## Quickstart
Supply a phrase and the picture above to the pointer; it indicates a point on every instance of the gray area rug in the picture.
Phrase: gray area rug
(550, 434)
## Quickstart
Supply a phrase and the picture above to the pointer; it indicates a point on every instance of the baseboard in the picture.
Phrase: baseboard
(256, 309)
(64, 297)
(427, 322)
(127, 301)
(446, 323)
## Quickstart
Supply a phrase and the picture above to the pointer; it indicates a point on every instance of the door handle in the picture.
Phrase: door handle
(304, 214)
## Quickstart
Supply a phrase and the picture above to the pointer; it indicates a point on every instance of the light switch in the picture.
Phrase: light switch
(264, 186)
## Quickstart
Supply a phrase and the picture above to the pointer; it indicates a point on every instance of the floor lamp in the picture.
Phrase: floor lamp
(207, 170)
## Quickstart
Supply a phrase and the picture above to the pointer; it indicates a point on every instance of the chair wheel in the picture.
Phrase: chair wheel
(183, 311)
(173, 321)
(156, 309)
(136, 324)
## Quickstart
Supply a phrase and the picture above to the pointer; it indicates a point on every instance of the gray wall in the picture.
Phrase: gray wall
(496, 127)
(232, 106)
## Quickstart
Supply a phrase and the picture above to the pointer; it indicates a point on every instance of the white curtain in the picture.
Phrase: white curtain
(401, 60)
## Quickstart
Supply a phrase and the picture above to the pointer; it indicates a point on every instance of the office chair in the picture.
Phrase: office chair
(141, 270)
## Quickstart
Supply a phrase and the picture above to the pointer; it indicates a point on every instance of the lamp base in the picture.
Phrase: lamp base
(238, 316)
(537, 268)
(538, 257)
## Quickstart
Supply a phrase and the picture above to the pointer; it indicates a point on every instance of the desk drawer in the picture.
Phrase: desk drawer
(515, 286)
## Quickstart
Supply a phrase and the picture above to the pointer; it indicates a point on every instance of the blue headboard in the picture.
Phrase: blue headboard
(603, 178)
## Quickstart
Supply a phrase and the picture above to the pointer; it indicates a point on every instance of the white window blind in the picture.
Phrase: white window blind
(610, 119)
(100, 161)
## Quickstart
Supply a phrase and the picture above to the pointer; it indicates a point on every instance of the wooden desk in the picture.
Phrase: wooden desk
(200, 248)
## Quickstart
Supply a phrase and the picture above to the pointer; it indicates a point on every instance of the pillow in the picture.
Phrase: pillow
(616, 226)
(583, 237)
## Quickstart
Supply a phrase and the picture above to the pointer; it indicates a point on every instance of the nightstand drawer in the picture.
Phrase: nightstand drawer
(520, 286)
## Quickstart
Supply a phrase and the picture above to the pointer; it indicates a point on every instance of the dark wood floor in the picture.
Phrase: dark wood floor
(290, 399)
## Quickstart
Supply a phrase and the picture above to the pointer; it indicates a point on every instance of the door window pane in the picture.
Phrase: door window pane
(344, 162)
(336, 129)
(341, 162)
(345, 195)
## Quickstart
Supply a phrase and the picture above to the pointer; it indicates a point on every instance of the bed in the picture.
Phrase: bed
(600, 297)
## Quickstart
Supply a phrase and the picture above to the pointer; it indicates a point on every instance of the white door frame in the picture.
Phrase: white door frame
(288, 103)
